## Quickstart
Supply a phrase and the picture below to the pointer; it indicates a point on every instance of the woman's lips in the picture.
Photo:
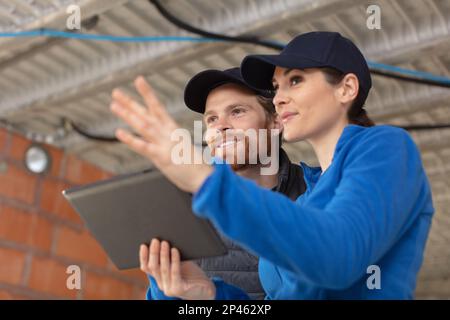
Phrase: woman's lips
(286, 116)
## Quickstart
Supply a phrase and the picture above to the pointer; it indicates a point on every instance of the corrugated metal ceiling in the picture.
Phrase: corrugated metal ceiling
(43, 80)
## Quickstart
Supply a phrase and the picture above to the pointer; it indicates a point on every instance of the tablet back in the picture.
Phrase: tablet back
(127, 210)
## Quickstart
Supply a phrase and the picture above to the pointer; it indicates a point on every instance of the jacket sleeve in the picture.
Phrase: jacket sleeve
(154, 293)
(381, 192)
(224, 291)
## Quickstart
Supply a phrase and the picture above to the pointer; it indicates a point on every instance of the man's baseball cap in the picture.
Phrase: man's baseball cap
(199, 87)
(310, 50)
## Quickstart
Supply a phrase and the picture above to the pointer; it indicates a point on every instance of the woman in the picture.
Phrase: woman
(368, 204)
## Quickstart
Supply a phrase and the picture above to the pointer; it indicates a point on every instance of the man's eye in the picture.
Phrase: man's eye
(237, 111)
(295, 80)
(211, 119)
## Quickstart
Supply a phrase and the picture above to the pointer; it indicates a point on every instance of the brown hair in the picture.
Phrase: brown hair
(356, 114)
(269, 108)
(267, 104)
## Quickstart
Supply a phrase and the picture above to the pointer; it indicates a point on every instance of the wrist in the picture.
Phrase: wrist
(201, 175)
(212, 292)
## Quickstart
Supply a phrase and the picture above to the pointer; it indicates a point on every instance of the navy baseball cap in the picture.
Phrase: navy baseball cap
(310, 50)
(198, 88)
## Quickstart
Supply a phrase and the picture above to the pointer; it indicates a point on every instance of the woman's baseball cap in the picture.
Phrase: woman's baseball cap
(198, 88)
(310, 50)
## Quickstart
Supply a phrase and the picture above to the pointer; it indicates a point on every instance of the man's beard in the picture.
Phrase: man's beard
(249, 159)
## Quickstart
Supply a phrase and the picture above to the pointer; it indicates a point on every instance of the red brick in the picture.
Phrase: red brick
(53, 201)
(140, 293)
(81, 172)
(42, 233)
(3, 139)
(18, 147)
(80, 246)
(49, 276)
(106, 288)
(18, 184)
(25, 227)
(15, 225)
(6, 295)
(11, 266)
(135, 274)
(56, 156)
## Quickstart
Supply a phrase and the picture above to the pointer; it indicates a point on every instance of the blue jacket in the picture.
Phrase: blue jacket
(372, 206)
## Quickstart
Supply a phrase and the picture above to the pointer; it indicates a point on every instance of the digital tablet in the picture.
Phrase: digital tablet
(128, 210)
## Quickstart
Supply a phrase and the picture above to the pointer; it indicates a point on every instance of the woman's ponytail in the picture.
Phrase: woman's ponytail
(359, 117)
(356, 114)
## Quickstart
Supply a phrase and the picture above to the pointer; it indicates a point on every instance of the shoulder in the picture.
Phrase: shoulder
(384, 142)
(386, 130)
(385, 136)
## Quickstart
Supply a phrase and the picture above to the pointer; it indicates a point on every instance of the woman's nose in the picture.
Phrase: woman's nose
(280, 98)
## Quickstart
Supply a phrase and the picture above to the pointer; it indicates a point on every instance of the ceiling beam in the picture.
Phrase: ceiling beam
(57, 20)
(123, 67)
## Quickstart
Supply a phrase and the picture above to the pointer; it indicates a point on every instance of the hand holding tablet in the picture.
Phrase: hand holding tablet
(129, 210)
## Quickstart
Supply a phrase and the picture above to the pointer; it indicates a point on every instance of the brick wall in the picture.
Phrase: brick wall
(40, 235)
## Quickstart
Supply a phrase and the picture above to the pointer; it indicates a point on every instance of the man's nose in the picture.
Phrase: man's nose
(222, 124)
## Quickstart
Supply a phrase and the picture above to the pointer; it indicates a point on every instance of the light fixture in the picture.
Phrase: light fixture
(37, 159)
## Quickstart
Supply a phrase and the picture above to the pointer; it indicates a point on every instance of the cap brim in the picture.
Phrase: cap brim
(258, 70)
(198, 88)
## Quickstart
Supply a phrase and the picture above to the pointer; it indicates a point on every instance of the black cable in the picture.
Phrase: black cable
(70, 124)
(114, 139)
(253, 40)
(183, 25)
(410, 78)
(419, 127)
(92, 22)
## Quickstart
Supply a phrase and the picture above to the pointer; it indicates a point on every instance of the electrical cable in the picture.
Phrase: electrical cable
(206, 36)
(375, 67)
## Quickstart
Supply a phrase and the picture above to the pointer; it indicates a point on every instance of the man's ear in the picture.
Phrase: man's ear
(349, 88)
(276, 122)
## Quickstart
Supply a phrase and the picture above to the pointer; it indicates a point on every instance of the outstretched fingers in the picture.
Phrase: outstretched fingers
(154, 106)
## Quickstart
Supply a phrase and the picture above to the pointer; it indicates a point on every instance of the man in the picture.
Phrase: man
(229, 105)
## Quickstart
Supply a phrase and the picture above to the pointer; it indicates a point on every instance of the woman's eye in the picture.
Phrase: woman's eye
(274, 88)
(295, 80)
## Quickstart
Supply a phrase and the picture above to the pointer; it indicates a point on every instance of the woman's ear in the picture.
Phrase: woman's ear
(349, 88)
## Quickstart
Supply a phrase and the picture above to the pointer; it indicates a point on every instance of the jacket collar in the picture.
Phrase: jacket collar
(290, 177)
(312, 174)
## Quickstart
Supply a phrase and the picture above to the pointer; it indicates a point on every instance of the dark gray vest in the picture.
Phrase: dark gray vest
(239, 267)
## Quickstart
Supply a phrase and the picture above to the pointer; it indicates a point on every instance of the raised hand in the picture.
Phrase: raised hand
(155, 127)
